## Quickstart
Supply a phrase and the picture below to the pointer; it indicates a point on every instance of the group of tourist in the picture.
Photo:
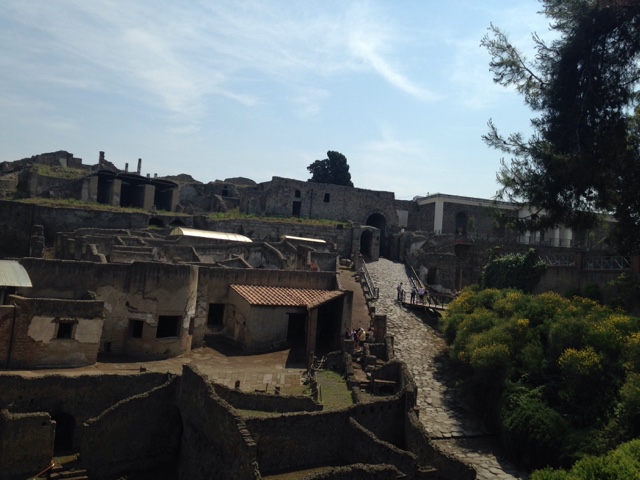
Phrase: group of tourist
(417, 294)
(420, 294)
(360, 336)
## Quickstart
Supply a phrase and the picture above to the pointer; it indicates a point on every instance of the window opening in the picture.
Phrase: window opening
(297, 194)
(65, 330)
(216, 314)
(168, 326)
(135, 328)
(327, 197)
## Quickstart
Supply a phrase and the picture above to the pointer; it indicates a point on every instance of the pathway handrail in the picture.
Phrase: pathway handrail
(46, 470)
(373, 290)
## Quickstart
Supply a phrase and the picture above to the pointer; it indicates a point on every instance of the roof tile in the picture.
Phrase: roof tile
(284, 297)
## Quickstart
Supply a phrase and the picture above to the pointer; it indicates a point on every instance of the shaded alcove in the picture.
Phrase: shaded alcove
(156, 222)
(65, 426)
(377, 220)
(366, 241)
(329, 330)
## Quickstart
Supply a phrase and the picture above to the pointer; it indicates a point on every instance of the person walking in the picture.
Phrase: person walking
(400, 292)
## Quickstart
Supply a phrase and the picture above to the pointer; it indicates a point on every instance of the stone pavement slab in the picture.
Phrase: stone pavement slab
(419, 346)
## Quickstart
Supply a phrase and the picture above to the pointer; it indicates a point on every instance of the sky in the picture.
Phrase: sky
(218, 89)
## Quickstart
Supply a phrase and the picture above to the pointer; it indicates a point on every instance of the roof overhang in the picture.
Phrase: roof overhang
(192, 232)
(12, 274)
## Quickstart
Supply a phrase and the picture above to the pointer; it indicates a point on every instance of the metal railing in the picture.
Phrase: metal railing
(549, 242)
(371, 286)
(558, 259)
(607, 262)
(46, 471)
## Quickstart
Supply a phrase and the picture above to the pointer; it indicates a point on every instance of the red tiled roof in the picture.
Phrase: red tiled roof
(284, 297)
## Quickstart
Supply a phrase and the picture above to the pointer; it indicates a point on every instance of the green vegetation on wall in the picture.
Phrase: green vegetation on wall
(514, 270)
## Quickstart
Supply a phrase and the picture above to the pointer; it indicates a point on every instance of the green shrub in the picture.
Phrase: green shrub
(514, 270)
(577, 362)
(531, 430)
(623, 463)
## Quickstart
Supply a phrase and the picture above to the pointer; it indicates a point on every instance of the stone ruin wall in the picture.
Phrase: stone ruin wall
(17, 222)
(271, 231)
(141, 433)
(319, 201)
(129, 422)
(29, 332)
(142, 291)
(266, 402)
(26, 443)
(82, 397)
(215, 437)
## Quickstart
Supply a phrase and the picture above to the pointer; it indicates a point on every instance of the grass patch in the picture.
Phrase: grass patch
(334, 390)
(234, 214)
(79, 205)
(60, 172)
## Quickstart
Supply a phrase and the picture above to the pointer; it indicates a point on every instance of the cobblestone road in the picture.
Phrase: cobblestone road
(418, 346)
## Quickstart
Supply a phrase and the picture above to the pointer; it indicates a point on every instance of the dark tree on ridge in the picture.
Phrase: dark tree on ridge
(583, 159)
(334, 169)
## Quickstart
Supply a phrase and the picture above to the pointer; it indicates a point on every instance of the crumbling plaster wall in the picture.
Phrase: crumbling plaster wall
(139, 291)
(31, 333)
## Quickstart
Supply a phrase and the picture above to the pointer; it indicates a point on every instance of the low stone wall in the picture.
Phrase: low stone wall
(265, 402)
(296, 441)
(26, 444)
(215, 440)
(359, 471)
(428, 453)
(364, 447)
(271, 231)
(82, 397)
(139, 434)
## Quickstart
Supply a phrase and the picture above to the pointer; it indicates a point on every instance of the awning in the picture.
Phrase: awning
(12, 274)
(192, 232)
(303, 239)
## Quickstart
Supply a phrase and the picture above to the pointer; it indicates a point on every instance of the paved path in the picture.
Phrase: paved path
(418, 346)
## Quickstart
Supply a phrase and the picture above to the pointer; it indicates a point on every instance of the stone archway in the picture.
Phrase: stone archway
(379, 221)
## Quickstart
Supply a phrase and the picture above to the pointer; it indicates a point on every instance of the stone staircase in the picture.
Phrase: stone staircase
(68, 468)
